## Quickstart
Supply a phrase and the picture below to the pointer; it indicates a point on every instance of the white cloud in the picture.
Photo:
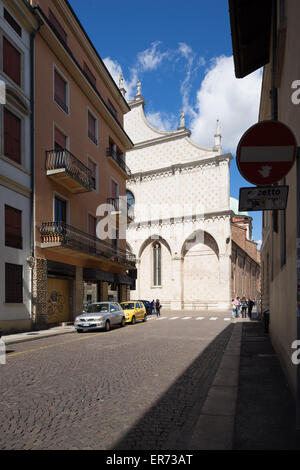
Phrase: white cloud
(259, 243)
(222, 96)
(162, 121)
(149, 59)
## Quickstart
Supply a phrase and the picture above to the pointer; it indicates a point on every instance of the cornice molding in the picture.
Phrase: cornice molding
(194, 219)
(180, 167)
(14, 186)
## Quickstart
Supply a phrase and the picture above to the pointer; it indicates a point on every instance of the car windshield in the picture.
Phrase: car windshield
(127, 306)
(96, 308)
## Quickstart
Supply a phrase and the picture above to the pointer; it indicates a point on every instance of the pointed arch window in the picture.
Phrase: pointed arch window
(156, 264)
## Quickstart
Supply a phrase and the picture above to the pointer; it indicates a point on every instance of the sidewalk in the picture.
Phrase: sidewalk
(265, 416)
(33, 335)
(249, 405)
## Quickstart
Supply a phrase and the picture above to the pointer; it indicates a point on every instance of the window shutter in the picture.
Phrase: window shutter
(13, 227)
(57, 26)
(12, 136)
(92, 127)
(114, 189)
(13, 283)
(11, 61)
(89, 74)
(92, 167)
(60, 91)
(60, 139)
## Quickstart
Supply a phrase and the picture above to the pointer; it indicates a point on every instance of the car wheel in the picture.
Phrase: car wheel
(123, 322)
(145, 317)
(107, 326)
(133, 320)
(79, 331)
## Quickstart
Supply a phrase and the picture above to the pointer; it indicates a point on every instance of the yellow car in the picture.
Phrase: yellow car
(134, 311)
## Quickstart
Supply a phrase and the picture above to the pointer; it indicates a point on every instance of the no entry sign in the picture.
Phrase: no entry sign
(266, 152)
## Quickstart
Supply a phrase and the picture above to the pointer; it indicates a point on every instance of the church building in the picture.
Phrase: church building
(181, 233)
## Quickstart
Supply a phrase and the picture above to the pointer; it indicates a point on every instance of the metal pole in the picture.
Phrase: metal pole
(298, 284)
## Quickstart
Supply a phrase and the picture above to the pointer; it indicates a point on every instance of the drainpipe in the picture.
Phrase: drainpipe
(32, 149)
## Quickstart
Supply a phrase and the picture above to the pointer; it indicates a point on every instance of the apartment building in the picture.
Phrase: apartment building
(80, 145)
(17, 29)
(273, 44)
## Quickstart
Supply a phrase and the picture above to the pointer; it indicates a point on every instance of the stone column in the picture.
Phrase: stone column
(177, 281)
(39, 293)
(78, 295)
(103, 291)
(123, 293)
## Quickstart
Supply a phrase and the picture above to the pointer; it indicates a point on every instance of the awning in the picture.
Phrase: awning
(250, 22)
(123, 279)
(90, 274)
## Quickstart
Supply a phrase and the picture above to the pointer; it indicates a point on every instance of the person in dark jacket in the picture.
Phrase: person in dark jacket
(250, 307)
(244, 307)
(157, 307)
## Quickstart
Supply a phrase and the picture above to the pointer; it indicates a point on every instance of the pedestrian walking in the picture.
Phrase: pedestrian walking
(244, 306)
(250, 307)
(157, 307)
(152, 307)
(233, 311)
(237, 304)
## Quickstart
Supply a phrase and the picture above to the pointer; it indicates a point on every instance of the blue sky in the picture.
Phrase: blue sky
(182, 54)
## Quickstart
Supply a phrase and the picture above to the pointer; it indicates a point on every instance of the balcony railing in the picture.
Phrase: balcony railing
(117, 205)
(75, 239)
(62, 159)
(119, 159)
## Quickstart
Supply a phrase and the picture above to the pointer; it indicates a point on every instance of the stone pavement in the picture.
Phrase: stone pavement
(186, 380)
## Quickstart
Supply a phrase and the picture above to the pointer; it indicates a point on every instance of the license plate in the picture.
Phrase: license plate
(83, 325)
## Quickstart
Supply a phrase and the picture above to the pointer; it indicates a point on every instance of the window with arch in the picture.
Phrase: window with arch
(130, 204)
(156, 248)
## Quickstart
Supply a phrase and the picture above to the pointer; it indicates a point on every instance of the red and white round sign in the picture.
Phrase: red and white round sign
(266, 152)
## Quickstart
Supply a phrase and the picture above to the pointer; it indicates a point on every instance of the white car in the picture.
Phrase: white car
(100, 315)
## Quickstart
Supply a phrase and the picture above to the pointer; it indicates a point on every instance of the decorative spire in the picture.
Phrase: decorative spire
(121, 85)
(182, 122)
(138, 89)
(218, 137)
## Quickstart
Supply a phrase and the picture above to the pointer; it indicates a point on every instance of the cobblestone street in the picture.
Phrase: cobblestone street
(141, 387)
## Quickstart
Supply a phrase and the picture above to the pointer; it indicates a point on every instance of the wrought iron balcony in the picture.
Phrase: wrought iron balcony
(119, 203)
(64, 168)
(119, 159)
(62, 235)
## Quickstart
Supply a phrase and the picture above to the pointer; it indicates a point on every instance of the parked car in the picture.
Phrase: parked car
(134, 310)
(147, 306)
(100, 315)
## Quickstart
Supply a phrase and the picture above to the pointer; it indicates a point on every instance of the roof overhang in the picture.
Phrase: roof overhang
(250, 22)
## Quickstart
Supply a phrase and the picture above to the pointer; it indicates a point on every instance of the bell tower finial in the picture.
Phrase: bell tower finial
(218, 137)
(138, 90)
(121, 85)
(182, 121)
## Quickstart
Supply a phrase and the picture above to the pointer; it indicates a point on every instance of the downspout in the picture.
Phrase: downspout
(32, 150)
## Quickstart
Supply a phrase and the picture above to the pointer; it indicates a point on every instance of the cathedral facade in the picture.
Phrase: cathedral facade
(181, 233)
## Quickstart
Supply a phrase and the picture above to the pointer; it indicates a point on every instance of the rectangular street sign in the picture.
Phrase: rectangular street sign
(263, 198)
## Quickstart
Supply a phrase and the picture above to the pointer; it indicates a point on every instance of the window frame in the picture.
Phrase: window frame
(55, 195)
(20, 213)
(8, 298)
(96, 141)
(22, 139)
(57, 70)
(21, 52)
(89, 158)
(156, 269)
